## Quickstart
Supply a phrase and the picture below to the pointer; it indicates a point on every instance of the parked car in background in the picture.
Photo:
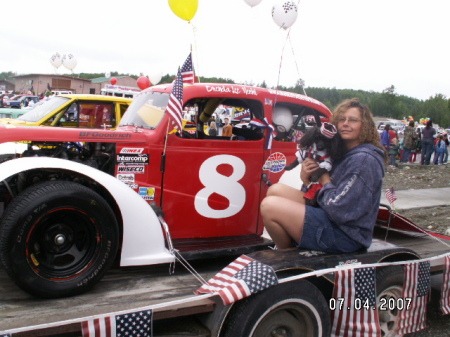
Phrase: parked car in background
(87, 111)
(11, 112)
(23, 102)
(8, 98)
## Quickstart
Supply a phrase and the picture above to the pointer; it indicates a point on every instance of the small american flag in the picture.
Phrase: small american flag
(355, 314)
(187, 71)
(241, 278)
(390, 195)
(175, 105)
(135, 324)
(445, 290)
(416, 287)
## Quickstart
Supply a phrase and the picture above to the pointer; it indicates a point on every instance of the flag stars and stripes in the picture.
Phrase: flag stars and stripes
(240, 279)
(187, 71)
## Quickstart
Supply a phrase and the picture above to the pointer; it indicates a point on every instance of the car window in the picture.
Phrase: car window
(96, 115)
(199, 113)
(41, 110)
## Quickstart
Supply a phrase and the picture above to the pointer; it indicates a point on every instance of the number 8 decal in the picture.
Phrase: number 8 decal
(227, 187)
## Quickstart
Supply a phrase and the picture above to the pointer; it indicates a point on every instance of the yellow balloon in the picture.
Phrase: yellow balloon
(185, 9)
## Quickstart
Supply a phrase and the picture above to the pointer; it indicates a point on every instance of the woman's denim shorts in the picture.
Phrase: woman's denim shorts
(319, 233)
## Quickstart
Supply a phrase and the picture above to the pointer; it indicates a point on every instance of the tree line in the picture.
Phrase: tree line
(384, 104)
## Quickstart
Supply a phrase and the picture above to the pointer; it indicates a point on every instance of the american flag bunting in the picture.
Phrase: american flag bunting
(187, 71)
(445, 290)
(241, 278)
(416, 289)
(175, 105)
(355, 313)
(390, 195)
(134, 324)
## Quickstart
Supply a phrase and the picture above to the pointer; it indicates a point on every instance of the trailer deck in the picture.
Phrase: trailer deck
(133, 287)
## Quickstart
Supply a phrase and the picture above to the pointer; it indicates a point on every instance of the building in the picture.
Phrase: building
(39, 83)
(6, 86)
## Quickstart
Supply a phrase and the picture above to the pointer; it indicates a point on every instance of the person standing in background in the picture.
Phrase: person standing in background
(227, 128)
(428, 133)
(409, 142)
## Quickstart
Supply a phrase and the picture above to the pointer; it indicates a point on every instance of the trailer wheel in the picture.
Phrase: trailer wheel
(389, 286)
(58, 238)
(293, 309)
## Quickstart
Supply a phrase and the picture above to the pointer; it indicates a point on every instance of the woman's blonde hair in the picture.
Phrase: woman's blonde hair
(369, 133)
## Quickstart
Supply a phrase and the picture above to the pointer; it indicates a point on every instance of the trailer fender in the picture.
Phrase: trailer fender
(143, 239)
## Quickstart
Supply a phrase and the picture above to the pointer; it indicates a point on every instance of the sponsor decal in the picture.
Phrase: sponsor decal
(275, 163)
(138, 169)
(133, 186)
(132, 159)
(348, 262)
(103, 135)
(147, 193)
(126, 178)
(136, 150)
(310, 253)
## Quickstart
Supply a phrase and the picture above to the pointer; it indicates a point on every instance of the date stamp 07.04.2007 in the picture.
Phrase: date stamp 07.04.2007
(384, 304)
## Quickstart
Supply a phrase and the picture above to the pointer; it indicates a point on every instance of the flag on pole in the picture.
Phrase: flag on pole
(390, 195)
(416, 289)
(355, 313)
(187, 71)
(131, 324)
(241, 278)
(445, 290)
(175, 105)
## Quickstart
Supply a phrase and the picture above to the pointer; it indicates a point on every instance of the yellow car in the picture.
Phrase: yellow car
(84, 111)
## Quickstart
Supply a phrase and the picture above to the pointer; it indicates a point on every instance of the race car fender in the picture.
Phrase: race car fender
(143, 239)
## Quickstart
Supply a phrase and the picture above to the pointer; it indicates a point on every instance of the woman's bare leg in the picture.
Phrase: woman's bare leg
(283, 218)
(287, 192)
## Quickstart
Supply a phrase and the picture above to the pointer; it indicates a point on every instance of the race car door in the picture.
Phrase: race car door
(212, 184)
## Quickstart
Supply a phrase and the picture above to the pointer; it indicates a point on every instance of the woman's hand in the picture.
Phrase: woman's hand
(308, 167)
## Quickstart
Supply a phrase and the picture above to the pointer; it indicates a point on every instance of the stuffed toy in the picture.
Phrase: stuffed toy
(321, 144)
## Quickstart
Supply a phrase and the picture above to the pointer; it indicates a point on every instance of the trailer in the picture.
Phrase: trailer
(178, 312)
(92, 221)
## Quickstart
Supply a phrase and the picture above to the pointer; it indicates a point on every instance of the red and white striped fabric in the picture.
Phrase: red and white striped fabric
(241, 278)
(445, 290)
(417, 288)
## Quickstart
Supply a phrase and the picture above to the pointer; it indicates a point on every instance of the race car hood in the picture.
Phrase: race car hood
(14, 133)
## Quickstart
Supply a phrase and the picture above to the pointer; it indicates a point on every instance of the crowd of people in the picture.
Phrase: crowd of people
(422, 144)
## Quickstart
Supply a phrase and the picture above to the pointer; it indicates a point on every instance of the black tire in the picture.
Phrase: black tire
(292, 309)
(58, 239)
(389, 284)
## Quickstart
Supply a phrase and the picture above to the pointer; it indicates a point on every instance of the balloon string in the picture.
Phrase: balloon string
(296, 64)
(281, 59)
(194, 60)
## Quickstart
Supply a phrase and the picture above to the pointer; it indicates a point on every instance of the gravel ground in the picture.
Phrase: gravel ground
(437, 219)
(408, 177)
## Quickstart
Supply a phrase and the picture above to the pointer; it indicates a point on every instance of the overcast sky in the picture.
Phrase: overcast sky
(346, 44)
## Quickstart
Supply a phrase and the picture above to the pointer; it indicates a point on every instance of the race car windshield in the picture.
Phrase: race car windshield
(41, 110)
(146, 110)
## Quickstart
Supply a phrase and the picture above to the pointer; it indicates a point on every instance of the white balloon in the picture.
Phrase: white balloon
(155, 77)
(56, 60)
(69, 61)
(252, 3)
(108, 74)
(284, 13)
